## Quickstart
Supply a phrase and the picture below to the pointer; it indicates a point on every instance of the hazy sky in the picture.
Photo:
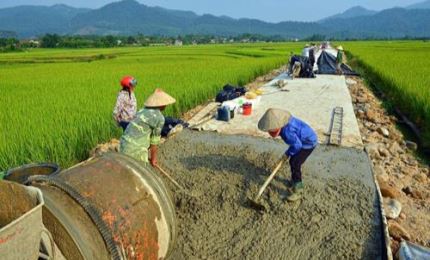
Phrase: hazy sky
(268, 10)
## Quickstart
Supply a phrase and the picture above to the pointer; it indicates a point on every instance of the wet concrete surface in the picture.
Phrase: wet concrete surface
(338, 218)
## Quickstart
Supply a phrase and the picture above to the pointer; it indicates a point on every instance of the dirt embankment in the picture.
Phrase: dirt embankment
(338, 217)
(400, 174)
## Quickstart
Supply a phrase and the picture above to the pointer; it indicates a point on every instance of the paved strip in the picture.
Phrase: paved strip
(312, 100)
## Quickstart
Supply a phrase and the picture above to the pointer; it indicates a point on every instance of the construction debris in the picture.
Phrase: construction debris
(392, 208)
(111, 146)
(399, 172)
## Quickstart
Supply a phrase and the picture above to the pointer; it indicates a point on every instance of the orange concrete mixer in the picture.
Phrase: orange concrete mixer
(110, 207)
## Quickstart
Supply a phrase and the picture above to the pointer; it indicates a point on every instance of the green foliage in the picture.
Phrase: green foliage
(316, 38)
(109, 41)
(51, 40)
(56, 104)
(401, 70)
(9, 45)
(4, 42)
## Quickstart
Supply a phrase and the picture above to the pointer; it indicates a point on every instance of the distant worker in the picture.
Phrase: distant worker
(126, 104)
(294, 66)
(144, 132)
(312, 51)
(305, 51)
(323, 45)
(295, 69)
(301, 139)
(339, 60)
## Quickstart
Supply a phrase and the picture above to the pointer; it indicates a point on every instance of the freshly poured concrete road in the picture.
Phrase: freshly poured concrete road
(311, 100)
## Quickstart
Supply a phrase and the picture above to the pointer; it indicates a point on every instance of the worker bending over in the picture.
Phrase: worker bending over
(144, 132)
(301, 139)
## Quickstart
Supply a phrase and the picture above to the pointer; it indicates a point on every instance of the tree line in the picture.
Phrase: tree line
(109, 41)
(11, 44)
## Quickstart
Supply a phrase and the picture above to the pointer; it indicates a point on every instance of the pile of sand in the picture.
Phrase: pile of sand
(338, 217)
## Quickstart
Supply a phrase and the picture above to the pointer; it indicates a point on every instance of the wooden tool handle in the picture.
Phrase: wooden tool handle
(169, 177)
(270, 179)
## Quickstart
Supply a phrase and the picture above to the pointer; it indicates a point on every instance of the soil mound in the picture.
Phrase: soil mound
(337, 218)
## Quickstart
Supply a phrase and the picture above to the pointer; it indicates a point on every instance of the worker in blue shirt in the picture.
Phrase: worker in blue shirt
(301, 139)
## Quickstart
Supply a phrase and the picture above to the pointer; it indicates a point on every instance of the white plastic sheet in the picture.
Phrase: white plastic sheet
(410, 251)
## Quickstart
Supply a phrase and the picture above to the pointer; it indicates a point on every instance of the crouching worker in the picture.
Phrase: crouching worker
(301, 139)
(142, 136)
(294, 66)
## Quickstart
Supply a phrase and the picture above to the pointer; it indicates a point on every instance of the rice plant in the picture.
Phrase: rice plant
(56, 104)
(401, 70)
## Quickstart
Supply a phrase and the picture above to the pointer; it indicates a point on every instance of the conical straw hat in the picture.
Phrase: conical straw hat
(274, 119)
(159, 99)
(340, 48)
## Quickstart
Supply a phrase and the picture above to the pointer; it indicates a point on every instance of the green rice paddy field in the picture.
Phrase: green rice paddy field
(56, 104)
(401, 69)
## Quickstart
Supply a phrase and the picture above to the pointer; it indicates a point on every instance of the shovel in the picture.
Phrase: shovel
(277, 91)
(169, 177)
(254, 203)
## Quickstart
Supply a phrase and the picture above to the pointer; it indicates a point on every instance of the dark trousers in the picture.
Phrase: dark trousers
(312, 63)
(296, 163)
(123, 125)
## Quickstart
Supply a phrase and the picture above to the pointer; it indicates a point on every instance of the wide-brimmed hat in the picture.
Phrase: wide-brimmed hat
(274, 119)
(159, 99)
(340, 48)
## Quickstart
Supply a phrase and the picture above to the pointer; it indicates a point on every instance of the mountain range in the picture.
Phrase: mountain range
(129, 17)
(351, 13)
(421, 5)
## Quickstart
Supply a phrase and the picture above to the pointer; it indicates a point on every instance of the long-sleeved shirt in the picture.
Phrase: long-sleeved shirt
(339, 57)
(305, 52)
(143, 131)
(298, 135)
(125, 107)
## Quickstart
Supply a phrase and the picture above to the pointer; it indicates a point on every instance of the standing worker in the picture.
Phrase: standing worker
(144, 132)
(339, 60)
(305, 51)
(126, 104)
(301, 139)
(312, 51)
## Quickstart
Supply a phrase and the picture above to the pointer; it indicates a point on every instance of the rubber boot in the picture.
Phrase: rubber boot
(289, 184)
(296, 193)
